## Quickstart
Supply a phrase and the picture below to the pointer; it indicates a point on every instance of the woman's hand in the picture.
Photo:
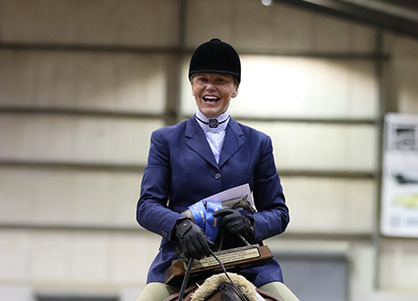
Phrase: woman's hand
(193, 241)
(234, 222)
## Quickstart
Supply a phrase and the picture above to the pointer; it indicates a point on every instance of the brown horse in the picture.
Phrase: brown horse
(219, 288)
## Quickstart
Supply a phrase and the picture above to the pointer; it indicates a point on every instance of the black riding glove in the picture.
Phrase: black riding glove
(193, 240)
(234, 222)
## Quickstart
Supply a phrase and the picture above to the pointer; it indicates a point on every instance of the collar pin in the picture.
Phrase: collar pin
(213, 123)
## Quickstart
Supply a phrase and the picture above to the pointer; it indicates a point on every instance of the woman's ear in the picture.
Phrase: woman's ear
(235, 93)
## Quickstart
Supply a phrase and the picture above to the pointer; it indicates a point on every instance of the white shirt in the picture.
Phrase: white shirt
(214, 136)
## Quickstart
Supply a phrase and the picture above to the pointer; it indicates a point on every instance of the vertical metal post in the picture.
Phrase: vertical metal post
(380, 75)
(174, 68)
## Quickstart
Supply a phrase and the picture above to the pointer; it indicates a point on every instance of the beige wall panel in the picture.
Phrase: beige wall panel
(131, 256)
(16, 293)
(76, 260)
(362, 285)
(106, 22)
(109, 200)
(408, 88)
(402, 46)
(75, 139)
(300, 87)
(309, 88)
(208, 19)
(16, 251)
(405, 67)
(248, 25)
(83, 80)
(399, 261)
(330, 205)
(89, 255)
(48, 259)
(321, 146)
(333, 34)
(68, 197)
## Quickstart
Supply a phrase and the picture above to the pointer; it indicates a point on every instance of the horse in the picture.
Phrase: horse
(219, 288)
(224, 286)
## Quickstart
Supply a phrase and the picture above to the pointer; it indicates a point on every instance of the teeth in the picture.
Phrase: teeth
(210, 98)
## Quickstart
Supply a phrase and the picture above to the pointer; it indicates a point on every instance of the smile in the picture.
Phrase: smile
(211, 98)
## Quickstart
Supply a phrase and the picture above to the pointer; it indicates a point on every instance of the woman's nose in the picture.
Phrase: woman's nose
(210, 86)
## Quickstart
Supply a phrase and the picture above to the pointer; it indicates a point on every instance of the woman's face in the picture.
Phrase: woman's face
(213, 92)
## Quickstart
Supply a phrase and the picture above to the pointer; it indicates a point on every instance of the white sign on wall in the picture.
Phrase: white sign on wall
(399, 215)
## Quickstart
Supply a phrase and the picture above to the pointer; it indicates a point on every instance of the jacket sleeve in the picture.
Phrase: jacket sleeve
(272, 216)
(152, 211)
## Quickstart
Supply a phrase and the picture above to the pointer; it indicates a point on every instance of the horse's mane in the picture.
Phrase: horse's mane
(213, 283)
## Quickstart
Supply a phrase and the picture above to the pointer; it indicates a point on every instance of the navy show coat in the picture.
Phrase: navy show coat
(182, 170)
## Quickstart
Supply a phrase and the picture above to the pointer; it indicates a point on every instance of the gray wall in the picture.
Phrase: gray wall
(84, 83)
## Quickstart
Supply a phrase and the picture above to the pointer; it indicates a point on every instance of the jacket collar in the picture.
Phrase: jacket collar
(196, 141)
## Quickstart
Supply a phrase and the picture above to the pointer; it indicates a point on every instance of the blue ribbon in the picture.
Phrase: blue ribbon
(212, 225)
(203, 217)
(199, 214)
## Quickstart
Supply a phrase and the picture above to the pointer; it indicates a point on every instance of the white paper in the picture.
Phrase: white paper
(235, 192)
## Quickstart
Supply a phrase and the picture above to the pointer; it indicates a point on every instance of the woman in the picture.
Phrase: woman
(202, 156)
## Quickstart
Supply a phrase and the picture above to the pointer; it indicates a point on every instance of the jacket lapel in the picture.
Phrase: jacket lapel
(233, 141)
(196, 141)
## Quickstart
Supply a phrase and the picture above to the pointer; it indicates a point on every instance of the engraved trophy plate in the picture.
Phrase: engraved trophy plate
(232, 259)
(226, 257)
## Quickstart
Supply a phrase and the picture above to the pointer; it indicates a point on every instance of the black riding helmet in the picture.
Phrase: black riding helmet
(215, 56)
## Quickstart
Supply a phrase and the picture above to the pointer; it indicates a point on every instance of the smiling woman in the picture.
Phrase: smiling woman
(215, 75)
(202, 156)
(213, 92)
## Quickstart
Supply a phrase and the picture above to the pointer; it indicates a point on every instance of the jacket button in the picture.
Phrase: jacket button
(217, 176)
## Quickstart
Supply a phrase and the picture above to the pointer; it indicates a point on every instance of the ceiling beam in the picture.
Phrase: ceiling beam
(380, 14)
